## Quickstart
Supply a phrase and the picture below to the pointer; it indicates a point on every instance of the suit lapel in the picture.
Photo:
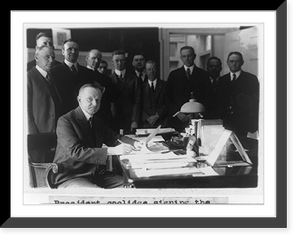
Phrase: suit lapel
(41, 81)
(146, 90)
(158, 89)
(84, 125)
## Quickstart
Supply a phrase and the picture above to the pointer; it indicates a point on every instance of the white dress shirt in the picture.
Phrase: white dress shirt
(122, 73)
(69, 64)
(237, 74)
(42, 72)
(191, 68)
(154, 83)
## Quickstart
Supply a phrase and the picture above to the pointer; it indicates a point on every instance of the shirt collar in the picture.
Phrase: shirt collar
(43, 72)
(87, 115)
(154, 82)
(237, 74)
(122, 72)
(211, 79)
(89, 67)
(70, 63)
(138, 73)
(191, 68)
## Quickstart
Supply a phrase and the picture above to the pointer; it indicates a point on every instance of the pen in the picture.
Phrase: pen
(176, 113)
(125, 143)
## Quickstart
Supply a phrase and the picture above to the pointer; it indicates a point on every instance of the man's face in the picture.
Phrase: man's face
(151, 71)
(187, 56)
(139, 62)
(103, 68)
(70, 51)
(93, 59)
(89, 100)
(44, 41)
(234, 63)
(119, 62)
(45, 59)
(214, 68)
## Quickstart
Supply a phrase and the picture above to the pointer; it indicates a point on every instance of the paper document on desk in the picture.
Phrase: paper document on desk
(194, 171)
(159, 160)
(149, 146)
(143, 132)
(143, 138)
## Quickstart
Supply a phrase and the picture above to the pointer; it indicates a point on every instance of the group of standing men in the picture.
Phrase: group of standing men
(68, 99)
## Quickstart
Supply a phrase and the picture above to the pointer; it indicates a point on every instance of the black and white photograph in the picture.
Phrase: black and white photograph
(136, 119)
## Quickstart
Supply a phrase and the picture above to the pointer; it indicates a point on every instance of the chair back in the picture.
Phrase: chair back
(41, 150)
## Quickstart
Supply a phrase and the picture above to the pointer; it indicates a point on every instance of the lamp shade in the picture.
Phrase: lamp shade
(192, 107)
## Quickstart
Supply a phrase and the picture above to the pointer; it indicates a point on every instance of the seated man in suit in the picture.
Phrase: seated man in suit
(93, 59)
(44, 105)
(242, 97)
(42, 39)
(153, 98)
(70, 75)
(80, 136)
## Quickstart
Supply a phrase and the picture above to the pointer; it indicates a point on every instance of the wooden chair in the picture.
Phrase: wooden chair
(41, 150)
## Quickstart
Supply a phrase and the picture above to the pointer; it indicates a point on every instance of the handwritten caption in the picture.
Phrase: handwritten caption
(137, 200)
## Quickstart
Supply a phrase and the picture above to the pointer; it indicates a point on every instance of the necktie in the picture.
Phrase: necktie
(152, 87)
(91, 122)
(214, 83)
(48, 78)
(92, 129)
(188, 73)
(73, 68)
(140, 77)
(233, 77)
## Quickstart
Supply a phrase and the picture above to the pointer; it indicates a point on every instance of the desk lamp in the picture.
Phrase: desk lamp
(194, 109)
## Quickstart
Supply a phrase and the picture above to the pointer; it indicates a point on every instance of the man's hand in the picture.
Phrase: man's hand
(134, 125)
(138, 145)
(121, 149)
(182, 117)
(152, 119)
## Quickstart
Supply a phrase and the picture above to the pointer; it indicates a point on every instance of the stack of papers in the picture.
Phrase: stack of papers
(147, 165)
(145, 132)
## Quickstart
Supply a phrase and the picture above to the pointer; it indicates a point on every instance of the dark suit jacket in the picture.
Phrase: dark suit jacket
(109, 96)
(179, 90)
(242, 103)
(126, 108)
(157, 105)
(42, 107)
(77, 151)
(217, 100)
(32, 64)
(68, 83)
